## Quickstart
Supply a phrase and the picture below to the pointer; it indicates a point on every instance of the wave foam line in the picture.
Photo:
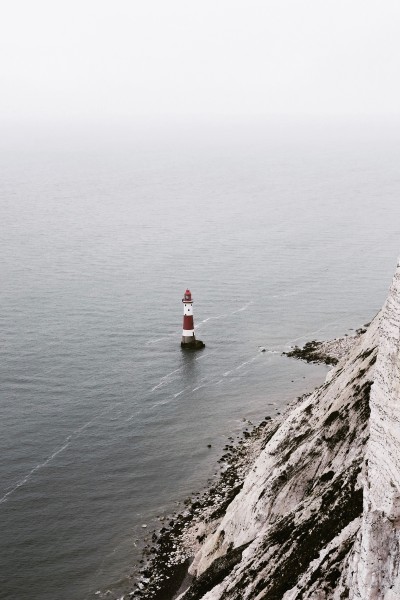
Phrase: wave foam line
(211, 319)
(55, 453)
(216, 318)
(198, 387)
(161, 403)
(204, 356)
(39, 466)
(165, 379)
(65, 444)
(165, 337)
(294, 293)
(312, 332)
(245, 307)
(207, 383)
(242, 365)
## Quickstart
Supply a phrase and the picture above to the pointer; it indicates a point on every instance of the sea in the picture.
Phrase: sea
(285, 231)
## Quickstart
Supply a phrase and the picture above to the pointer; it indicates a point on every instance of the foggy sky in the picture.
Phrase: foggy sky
(126, 58)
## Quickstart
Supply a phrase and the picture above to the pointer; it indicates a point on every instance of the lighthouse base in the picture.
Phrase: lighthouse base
(193, 345)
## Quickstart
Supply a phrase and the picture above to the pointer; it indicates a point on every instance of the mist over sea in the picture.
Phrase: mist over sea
(284, 232)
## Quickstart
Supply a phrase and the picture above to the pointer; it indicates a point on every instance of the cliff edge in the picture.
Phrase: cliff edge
(318, 516)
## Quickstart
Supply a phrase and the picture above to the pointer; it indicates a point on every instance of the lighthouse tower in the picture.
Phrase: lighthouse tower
(188, 337)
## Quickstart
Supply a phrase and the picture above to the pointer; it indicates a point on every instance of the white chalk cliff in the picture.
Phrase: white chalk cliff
(318, 516)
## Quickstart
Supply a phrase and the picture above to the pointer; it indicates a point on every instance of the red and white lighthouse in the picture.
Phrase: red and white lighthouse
(188, 337)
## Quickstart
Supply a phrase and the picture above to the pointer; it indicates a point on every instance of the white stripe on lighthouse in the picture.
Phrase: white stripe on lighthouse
(188, 332)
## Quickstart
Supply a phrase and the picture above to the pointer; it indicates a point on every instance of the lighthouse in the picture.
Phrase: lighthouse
(188, 337)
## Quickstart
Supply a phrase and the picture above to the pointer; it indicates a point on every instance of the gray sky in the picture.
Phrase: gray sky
(92, 58)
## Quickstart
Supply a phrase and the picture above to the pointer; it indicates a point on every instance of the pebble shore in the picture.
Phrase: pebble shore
(176, 542)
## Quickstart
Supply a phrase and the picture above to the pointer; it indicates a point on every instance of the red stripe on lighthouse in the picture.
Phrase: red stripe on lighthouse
(188, 322)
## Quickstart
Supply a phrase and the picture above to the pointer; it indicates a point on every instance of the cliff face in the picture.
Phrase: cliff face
(318, 516)
(373, 569)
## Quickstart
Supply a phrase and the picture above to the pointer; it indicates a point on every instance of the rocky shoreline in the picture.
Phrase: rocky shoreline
(163, 574)
(165, 562)
(328, 352)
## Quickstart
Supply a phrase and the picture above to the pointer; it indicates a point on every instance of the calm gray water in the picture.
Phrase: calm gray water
(282, 232)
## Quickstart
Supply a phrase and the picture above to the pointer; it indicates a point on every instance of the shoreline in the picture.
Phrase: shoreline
(165, 576)
(180, 536)
(328, 351)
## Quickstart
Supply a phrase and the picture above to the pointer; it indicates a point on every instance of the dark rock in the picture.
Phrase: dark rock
(196, 345)
(311, 353)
